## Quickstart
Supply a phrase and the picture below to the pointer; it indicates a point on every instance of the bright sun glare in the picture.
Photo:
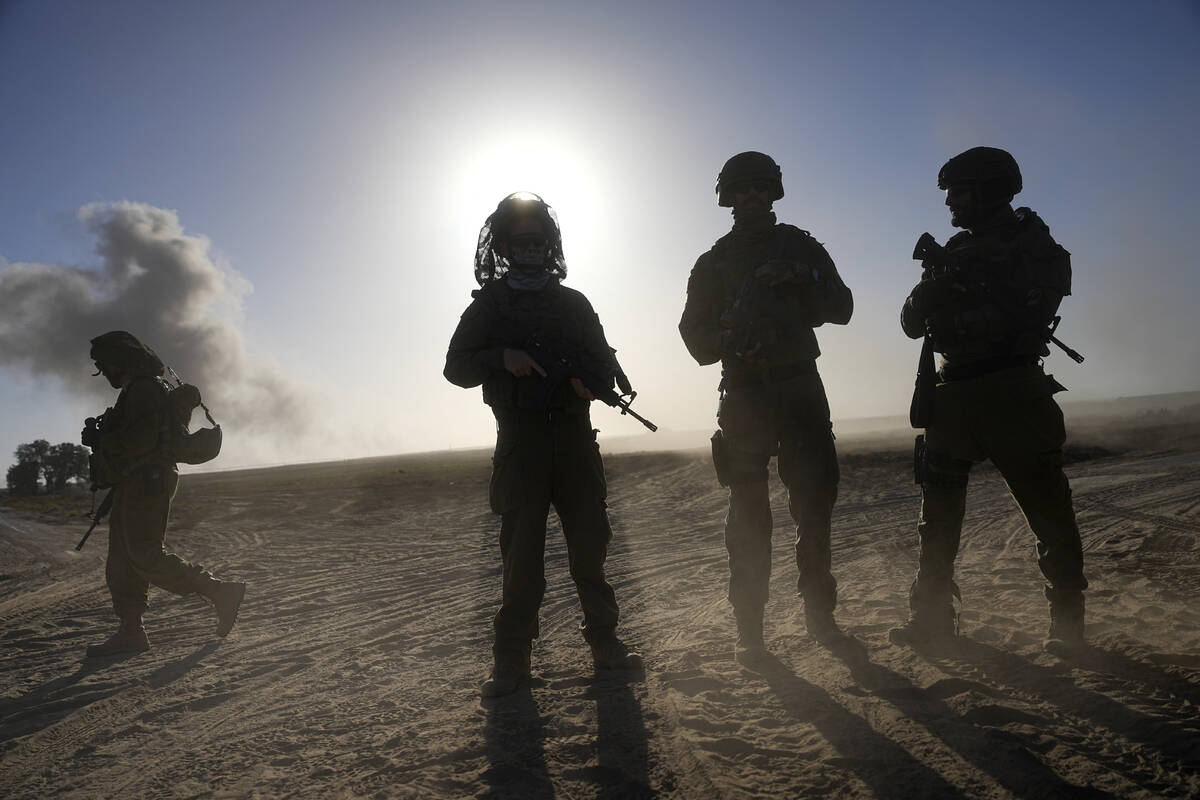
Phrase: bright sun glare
(532, 161)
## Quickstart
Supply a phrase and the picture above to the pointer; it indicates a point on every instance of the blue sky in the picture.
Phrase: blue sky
(332, 164)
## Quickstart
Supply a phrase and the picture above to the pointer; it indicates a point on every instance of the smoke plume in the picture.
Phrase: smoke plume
(165, 287)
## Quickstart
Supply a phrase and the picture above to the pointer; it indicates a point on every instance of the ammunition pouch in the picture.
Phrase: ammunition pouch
(920, 464)
(920, 410)
(720, 456)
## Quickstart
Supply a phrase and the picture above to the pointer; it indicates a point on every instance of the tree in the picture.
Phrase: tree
(54, 464)
(23, 478)
(63, 462)
(34, 452)
(31, 457)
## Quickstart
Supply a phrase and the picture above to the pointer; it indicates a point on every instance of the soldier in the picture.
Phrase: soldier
(129, 455)
(753, 301)
(546, 450)
(986, 303)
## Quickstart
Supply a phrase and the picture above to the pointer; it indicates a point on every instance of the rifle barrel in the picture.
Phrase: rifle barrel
(1072, 353)
(625, 409)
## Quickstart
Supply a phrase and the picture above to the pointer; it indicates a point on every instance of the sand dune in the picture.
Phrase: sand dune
(355, 666)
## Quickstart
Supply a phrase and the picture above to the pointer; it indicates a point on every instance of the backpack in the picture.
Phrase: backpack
(180, 444)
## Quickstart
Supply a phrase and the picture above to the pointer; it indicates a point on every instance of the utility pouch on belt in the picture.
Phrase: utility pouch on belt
(920, 459)
(720, 455)
(920, 410)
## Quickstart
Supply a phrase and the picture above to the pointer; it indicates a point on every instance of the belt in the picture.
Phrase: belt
(755, 377)
(986, 366)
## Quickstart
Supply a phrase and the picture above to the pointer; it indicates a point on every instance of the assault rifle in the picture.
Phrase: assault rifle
(102, 512)
(562, 364)
(937, 261)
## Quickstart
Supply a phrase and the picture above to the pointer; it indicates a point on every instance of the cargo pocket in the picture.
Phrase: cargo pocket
(505, 482)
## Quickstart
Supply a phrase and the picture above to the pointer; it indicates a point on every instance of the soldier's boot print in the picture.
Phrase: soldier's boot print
(129, 638)
(1066, 620)
(226, 597)
(510, 666)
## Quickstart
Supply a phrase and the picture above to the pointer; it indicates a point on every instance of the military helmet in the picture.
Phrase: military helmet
(746, 168)
(123, 350)
(490, 263)
(992, 171)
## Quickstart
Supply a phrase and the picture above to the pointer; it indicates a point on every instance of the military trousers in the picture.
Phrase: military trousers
(789, 418)
(137, 557)
(543, 459)
(1011, 418)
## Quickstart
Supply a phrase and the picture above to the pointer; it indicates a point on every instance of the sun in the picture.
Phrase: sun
(538, 160)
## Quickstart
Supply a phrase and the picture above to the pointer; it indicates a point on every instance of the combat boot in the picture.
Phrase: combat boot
(933, 620)
(510, 666)
(820, 598)
(924, 629)
(820, 623)
(129, 638)
(609, 652)
(1066, 620)
(226, 597)
(750, 646)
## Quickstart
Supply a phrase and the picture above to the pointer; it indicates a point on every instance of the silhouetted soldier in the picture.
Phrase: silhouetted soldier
(130, 455)
(752, 303)
(986, 301)
(546, 451)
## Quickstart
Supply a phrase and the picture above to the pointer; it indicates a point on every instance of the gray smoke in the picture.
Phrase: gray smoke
(165, 287)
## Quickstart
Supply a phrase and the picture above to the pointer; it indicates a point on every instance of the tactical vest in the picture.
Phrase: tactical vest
(516, 318)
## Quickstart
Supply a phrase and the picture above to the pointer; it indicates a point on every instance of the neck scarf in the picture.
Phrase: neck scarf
(527, 281)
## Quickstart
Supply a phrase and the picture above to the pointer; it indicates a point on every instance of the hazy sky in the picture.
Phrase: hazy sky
(283, 197)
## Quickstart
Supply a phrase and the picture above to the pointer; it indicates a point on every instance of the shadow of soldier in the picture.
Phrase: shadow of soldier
(53, 701)
(1008, 758)
(514, 738)
(1170, 734)
(622, 744)
(882, 764)
(1158, 675)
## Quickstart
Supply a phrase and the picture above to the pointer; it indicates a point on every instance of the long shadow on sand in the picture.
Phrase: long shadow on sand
(1009, 759)
(515, 741)
(882, 764)
(55, 699)
(1176, 741)
(1118, 670)
(621, 740)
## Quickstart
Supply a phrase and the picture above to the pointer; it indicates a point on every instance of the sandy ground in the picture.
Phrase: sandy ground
(355, 666)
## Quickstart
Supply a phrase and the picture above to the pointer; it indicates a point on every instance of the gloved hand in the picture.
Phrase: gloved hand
(932, 293)
(90, 435)
(943, 328)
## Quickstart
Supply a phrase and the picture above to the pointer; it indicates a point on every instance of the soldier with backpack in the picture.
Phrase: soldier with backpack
(134, 453)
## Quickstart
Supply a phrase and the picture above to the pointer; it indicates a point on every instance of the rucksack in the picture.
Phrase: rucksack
(182, 445)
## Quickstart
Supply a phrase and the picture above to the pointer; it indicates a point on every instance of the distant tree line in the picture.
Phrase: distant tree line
(40, 463)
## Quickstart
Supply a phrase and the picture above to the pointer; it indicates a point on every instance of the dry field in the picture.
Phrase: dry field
(355, 666)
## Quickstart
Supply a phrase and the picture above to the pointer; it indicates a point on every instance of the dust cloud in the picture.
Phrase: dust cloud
(168, 288)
